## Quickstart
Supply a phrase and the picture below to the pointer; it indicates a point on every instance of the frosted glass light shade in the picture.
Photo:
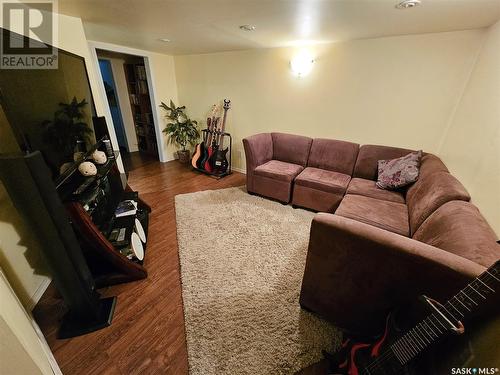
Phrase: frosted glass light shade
(301, 64)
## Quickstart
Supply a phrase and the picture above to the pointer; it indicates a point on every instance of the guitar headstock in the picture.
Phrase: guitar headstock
(227, 104)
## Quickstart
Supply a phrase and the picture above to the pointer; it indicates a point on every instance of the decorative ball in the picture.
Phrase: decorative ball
(87, 169)
(99, 157)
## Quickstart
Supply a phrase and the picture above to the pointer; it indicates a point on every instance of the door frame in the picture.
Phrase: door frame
(94, 46)
(127, 146)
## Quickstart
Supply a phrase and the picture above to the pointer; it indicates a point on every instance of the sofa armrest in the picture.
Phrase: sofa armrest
(258, 150)
(355, 273)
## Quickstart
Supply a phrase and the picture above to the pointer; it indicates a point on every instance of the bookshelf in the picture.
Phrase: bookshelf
(142, 112)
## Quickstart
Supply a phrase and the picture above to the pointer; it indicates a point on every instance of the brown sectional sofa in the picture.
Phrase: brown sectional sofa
(371, 249)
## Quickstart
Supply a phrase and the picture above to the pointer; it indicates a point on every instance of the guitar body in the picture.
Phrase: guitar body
(359, 358)
(203, 157)
(398, 351)
(197, 154)
(210, 159)
(220, 163)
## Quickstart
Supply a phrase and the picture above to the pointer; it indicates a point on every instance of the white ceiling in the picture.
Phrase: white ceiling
(202, 26)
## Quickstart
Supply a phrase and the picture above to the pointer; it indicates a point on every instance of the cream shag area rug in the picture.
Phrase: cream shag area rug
(242, 260)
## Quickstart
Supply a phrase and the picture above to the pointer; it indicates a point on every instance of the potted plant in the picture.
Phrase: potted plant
(180, 130)
(68, 131)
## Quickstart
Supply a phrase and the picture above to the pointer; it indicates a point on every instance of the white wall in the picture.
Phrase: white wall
(164, 84)
(438, 92)
(394, 91)
(471, 145)
(23, 350)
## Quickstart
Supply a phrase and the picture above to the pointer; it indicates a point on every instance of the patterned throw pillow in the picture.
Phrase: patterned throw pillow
(396, 173)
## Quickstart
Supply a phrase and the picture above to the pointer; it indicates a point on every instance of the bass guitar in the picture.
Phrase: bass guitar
(200, 147)
(218, 161)
(394, 353)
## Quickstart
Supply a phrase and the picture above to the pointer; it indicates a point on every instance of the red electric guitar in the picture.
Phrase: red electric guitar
(208, 149)
(394, 356)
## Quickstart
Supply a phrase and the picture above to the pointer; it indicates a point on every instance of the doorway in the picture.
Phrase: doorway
(114, 106)
(128, 95)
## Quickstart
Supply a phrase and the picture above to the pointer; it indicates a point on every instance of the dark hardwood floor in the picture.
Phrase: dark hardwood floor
(147, 334)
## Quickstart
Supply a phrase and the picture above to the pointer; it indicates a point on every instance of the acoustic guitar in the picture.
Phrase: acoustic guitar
(200, 147)
(219, 161)
(395, 353)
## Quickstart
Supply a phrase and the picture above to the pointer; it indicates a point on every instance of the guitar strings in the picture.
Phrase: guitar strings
(487, 276)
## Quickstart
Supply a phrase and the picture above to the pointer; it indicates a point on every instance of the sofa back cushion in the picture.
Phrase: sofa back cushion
(291, 148)
(429, 193)
(459, 228)
(368, 156)
(332, 155)
(431, 164)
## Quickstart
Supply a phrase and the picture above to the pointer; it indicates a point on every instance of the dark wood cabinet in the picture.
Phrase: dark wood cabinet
(91, 203)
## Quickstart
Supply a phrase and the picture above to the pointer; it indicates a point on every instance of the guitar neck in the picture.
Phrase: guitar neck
(227, 105)
(441, 322)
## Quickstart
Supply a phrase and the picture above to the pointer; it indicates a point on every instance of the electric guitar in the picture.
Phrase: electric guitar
(207, 165)
(200, 147)
(394, 356)
(208, 144)
(219, 161)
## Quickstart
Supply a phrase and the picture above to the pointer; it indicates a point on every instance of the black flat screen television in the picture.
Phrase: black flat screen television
(50, 110)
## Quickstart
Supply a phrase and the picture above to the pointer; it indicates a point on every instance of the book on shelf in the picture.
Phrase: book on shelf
(143, 87)
(126, 208)
(134, 99)
(141, 72)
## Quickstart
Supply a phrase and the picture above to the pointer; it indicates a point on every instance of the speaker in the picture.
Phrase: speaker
(28, 176)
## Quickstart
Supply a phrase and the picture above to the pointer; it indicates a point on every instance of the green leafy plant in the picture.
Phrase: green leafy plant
(181, 130)
(67, 128)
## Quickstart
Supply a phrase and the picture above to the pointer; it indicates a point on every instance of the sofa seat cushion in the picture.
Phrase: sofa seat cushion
(368, 188)
(390, 216)
(459, 228)
(321, 179)
(278, 170)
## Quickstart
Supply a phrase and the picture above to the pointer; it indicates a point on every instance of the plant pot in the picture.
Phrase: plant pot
(183, 156)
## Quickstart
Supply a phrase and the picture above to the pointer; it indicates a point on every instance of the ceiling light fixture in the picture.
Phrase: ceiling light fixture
(301, 64)
(406, 4)
(247, 27)
(166, 40)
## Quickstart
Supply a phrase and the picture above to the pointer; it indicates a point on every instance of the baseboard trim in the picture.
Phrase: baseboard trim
(38, 293)
(240, 170)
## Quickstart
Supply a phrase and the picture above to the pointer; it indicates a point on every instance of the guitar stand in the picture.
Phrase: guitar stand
(228, 171)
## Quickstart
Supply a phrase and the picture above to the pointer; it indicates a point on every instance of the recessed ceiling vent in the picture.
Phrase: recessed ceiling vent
(408, 4)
